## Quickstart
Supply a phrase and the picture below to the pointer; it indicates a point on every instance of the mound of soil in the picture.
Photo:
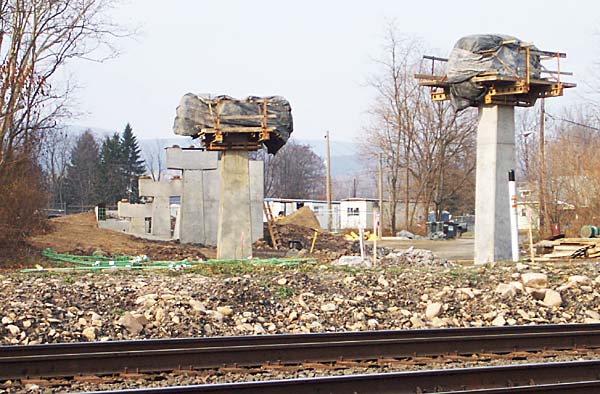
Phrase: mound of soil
(79, 234)
(302, 217)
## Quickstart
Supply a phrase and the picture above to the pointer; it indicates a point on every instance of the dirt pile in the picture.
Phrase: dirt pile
(326, 242)
(79, 234)
(302, 217)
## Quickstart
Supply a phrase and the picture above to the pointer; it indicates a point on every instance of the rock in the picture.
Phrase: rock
(592, 314)
(26, 323)
(416, 322)
(506, 290)
(218, 316)
(14, 330)
(196, 305)
(467, 291)
(282, 281)
(372, 323)
(433, 310)
(538, 294)
(579, 279)
(89, 333)
(535, 279)
(499, 321)
(521, 267)
(518, 285)
(131, 323)
(382, 281)
(552, 298)
(329, 307)
(159, 314)
(6, 320)
(353, 261)
(405, 234)
(225, 310)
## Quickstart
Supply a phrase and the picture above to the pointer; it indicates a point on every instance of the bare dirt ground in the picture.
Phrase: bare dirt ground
(453, 249)
(79, 234)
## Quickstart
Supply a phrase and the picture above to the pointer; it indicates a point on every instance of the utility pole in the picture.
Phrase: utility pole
(380, 176)
(542, 195)
(328, 181)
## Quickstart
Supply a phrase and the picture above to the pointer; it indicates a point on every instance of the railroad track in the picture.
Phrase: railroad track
(102, 358)
(548, 378)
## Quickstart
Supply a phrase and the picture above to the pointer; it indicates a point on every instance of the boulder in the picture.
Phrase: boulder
(131, 323)
(433, 310)
(535, 279)
(506, 290)
(552, 298)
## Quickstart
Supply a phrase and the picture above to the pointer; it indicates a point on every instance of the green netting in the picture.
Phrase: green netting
(96, 263)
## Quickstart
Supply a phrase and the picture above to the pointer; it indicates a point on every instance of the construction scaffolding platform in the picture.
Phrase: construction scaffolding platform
(519, 89)
(221, 138)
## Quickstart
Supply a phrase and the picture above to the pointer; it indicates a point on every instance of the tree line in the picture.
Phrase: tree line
(93, 172)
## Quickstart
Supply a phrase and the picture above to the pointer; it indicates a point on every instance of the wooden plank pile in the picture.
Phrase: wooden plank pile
(570, 248)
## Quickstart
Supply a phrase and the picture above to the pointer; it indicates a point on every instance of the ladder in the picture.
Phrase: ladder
(275, 238)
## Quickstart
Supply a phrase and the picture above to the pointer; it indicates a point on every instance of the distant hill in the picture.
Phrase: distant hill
(345, 158)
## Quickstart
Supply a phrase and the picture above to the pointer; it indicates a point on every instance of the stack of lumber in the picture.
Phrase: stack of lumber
(571, 248)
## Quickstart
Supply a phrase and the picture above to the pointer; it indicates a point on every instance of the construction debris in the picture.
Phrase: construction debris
(569, 248)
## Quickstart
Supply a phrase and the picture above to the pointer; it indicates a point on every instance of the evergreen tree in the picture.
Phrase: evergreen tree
(134, 165)
(82, 173)
(112, 180)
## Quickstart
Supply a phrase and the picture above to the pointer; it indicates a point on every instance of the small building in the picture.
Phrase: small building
(357, 212)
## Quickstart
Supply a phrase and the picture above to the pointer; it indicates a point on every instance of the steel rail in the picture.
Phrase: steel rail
(573, 377)
(164, 355)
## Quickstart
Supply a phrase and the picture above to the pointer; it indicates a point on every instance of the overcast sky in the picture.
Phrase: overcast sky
(317, 54)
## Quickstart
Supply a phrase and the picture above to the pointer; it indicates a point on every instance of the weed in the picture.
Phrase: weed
(285, 292)
(119, 312)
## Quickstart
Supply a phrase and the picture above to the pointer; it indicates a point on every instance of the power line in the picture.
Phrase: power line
(573, 122)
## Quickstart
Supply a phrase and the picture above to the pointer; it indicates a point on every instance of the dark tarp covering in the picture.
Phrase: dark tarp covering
(478, 53)
(194, 113)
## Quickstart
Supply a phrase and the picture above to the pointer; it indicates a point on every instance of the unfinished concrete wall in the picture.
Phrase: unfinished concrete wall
(137, 214)
(195, 165)
(201, 191)
(161, 213)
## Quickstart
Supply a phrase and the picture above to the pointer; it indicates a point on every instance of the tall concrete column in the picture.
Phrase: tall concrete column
(234, 232)
(495, 157)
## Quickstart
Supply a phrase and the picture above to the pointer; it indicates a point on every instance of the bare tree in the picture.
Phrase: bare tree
(37, 38)
(393, 117)
(154, 158)
(294, 172)
(428, 148)
(55, 157)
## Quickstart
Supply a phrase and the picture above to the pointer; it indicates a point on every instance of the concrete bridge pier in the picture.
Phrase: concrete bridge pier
(495, 157)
